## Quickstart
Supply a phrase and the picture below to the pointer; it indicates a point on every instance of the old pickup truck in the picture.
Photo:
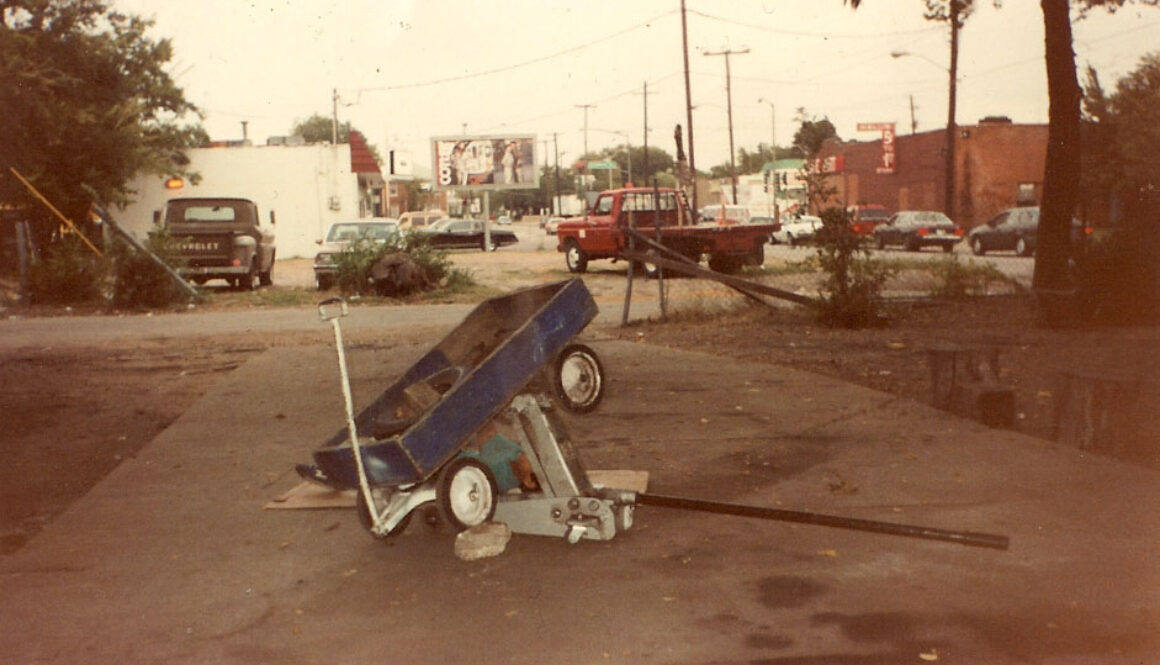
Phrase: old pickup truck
(662, 215)
(220, 238)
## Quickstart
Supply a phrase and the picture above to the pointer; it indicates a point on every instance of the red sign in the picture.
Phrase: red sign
(886, 165)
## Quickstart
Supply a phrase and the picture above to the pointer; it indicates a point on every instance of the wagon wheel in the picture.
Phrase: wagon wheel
(368, 521)
(578, 378)
(466, 493)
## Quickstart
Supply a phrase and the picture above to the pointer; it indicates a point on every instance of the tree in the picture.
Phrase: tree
(86, 99)
(811, 133)
(321, 129)
(1119, 276)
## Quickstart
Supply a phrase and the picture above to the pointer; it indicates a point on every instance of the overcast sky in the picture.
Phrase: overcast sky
(408, 70)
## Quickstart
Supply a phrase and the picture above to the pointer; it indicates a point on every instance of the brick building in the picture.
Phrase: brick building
(998, 165)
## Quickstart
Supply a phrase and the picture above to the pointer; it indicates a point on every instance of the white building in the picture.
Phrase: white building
(308, 187)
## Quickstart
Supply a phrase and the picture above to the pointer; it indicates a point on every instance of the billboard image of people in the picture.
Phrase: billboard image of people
(485, 162)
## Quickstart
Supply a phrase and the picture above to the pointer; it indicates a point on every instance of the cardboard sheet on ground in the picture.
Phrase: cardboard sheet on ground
(310, 496)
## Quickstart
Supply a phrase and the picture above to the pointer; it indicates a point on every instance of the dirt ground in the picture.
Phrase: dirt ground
(71, 415)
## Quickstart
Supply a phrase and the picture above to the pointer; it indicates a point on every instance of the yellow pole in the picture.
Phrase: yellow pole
(64, 219)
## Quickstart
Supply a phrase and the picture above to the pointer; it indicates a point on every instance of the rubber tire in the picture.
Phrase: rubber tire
(977, 247)
(246, 282)
(575, 257)
(591, 373)
(479, 479)
(1021, 248)
(364, 518)
(267, 278)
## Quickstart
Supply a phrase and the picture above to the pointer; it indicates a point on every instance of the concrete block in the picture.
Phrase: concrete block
(483, 540)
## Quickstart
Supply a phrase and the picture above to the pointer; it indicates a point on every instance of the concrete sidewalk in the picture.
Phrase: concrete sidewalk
(171, 559)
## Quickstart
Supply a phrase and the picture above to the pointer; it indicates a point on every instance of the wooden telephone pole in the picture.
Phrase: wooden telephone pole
(729, 105)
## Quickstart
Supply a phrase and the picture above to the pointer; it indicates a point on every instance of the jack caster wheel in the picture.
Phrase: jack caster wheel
(466, 493)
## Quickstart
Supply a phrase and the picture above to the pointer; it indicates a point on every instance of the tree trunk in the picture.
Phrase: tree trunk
(1063, 166)
(1063, 161)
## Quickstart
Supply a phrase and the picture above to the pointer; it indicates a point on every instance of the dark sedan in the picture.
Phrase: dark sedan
(1016, 229)
(466, 233)
(915, 229)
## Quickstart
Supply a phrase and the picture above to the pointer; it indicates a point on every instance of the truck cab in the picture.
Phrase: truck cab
(220, 238)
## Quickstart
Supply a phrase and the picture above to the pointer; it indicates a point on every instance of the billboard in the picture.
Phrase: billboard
(485, 162)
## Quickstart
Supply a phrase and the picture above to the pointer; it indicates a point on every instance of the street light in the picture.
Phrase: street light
(773, 161)
(949, 185)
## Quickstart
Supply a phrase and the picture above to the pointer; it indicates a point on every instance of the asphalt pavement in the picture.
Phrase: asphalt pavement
(172, 558)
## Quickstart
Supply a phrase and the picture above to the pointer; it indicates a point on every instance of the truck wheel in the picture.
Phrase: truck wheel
(757, 258)
(724, 264)
(575, 257)
(246, 282)
(267, 278)
(578, 378)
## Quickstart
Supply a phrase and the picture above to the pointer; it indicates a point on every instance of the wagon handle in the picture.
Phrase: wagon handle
(326, 310)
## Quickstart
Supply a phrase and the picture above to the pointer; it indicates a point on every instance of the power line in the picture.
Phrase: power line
(518, 65)
(818, 35)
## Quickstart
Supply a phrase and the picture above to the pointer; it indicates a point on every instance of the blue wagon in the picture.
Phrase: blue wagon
(514, 353)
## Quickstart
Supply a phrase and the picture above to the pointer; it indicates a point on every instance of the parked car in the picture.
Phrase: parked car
(724, 215)
(795, 230)
(504, 219)
(915, 229)
(551, 225)
(864, 218)
(340, 236)
(765, 220)
(419, 219)
(451, 233)
(1016, 229)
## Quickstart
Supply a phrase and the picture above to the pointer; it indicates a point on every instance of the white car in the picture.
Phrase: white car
(796, 229)
(341, 236)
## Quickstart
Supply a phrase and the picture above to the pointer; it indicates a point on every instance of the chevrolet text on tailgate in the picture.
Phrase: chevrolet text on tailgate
(664, 215)
(220, 238)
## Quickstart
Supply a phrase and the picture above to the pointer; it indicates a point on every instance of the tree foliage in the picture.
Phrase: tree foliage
(811, 134)
(321, 129)
(1124, 130)
(87, 99)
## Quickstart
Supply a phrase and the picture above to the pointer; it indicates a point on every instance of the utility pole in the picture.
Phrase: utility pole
(729, 105)
(334, 116)
(585, 107)
(688, 102)
(556, 149)
(646, 134)
(955, 9)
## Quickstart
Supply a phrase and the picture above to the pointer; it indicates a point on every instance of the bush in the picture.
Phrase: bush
(851, 292)
(66, 272)
(407, 263)
(957, 279)
(138, 282)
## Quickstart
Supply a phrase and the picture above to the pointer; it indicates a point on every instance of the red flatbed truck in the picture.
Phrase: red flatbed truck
(663, 215)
